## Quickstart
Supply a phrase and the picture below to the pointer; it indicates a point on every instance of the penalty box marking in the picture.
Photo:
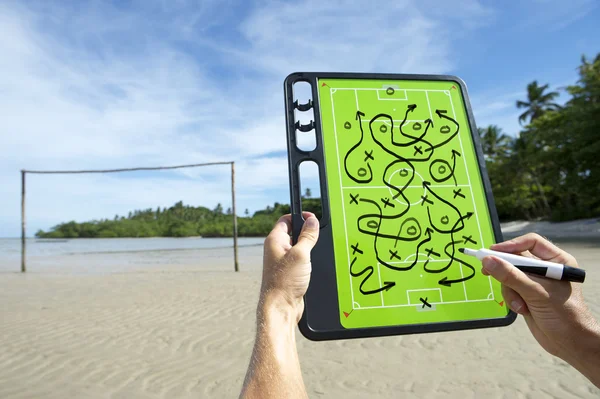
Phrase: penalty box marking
(431, 303)
(424, 289)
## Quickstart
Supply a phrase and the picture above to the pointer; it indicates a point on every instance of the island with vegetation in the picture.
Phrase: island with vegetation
(549, 171)
(179, 221)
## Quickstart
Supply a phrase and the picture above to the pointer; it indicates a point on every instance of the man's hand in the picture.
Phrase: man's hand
(286, 269)
(555, 311)
(274, 370)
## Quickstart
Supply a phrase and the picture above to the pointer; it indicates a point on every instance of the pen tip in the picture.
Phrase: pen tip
(461, 250)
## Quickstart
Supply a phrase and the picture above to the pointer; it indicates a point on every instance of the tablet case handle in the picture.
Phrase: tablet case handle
(296, 156)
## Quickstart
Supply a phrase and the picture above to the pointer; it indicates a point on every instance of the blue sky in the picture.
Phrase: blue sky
(140, 83)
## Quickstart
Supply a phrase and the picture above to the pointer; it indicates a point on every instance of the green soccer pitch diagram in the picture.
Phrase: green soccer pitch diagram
(405, 193)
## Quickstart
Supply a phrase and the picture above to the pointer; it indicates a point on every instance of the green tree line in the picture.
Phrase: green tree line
(179, 221)
(551, 170)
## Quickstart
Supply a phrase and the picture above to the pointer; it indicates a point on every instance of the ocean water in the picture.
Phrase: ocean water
(109, 254)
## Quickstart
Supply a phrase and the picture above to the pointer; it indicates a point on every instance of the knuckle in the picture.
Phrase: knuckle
(268, 240)
(533, 237)
(508, 276)
(309, 235)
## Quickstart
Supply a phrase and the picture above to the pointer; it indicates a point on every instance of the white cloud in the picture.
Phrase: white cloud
(98, 85)
(348, 36)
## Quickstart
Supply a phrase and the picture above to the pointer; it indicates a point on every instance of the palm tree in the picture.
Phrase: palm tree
(494, 142)
(537, 102)
(523, 156)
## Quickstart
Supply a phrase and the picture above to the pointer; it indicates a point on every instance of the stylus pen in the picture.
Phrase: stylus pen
(542, 268)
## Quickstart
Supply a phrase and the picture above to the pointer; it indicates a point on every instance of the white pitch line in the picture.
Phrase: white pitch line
(467, 171)
(425, 289)
(380, 292)
(419, 261)
(386, 187)
(393, 120)
(472, 195)
(429, 106)
(392, 99)
(431, 303)
(368, 89)
(337, 151)
(469, 181)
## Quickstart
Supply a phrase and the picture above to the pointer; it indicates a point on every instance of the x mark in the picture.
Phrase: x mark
(430, 252)
(469, 239)
(369, 155)
(425, 303)
(425, 199)
(458, 193)
(386, 203)
(355, 249)
(353, 199)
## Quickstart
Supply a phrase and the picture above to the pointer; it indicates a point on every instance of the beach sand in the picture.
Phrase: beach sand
(187, 332)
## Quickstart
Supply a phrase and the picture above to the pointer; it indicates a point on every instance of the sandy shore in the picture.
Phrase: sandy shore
(188, 332)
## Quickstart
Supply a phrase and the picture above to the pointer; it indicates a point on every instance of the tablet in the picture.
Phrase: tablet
(403, 187)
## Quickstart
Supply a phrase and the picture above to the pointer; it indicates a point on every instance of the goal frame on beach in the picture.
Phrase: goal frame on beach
(64, 172)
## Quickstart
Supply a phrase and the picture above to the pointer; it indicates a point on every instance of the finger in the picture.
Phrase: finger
(280, 234)
(533, 243)
(309, 235)
(512, 277)
(284, 224)
(307, 214)
(514, 300)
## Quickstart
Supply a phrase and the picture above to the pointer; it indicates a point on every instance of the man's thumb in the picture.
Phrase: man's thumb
(309, 234)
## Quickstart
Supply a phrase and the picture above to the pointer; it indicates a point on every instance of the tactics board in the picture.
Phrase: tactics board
(404, 186)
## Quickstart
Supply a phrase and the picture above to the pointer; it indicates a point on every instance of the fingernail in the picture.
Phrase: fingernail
(489, 264)
(516, 306)
(312, 223)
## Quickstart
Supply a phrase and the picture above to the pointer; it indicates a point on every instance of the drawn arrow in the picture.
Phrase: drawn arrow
(369, 271)
(348, 314)
(442, 114)
(387, 285)
(455, 153)
(411, 108)
(444, 281)
(447, 282)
